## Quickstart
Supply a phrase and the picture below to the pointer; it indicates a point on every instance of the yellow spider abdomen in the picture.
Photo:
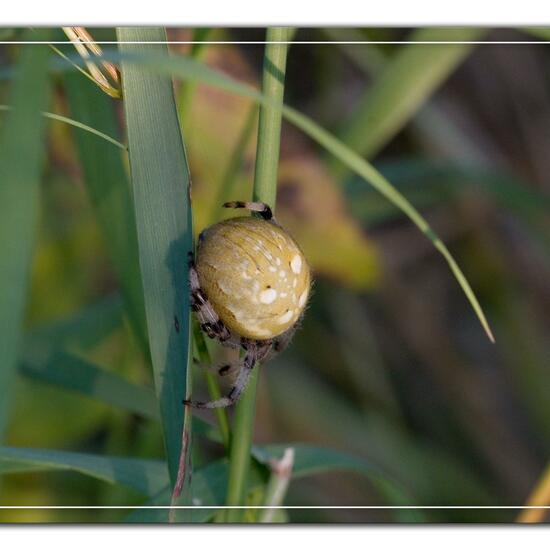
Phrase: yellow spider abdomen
(254, 275)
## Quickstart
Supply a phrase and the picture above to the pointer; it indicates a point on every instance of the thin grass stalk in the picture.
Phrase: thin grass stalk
(76, 124)
(265, 189)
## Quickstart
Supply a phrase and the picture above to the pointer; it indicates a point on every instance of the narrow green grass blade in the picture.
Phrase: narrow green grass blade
(83, 329)
(75, 124)
(47, 357)
(22, 146)
(310, 460)
(161, 188)
(108, 186)
(407, 81)
(190, 69)
(145, 476)
(364, 169)
(68, 371)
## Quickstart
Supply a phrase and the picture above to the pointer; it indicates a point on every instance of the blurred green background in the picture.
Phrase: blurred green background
(390, 363)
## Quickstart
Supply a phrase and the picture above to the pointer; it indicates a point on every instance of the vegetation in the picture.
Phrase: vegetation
(392, 393)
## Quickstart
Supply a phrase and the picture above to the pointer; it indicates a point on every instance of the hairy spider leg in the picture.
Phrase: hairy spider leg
(256, 352)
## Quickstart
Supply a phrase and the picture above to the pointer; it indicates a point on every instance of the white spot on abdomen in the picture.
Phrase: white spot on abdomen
(296, 264)
(285, 317)
(268, 296)
(303, 298)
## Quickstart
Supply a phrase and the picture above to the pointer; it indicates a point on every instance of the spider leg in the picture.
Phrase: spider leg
(209, 320)
(263, 209)
(254, 353)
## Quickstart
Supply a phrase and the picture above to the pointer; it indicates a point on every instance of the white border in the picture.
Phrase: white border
(243, 13)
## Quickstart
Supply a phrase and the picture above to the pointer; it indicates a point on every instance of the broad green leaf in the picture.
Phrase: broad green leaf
(107, 183)
(22, 146)
(161, 189)
(406, 82)
(145, 476)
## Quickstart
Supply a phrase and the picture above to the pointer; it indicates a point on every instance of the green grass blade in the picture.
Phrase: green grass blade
(189, 69)
(75, 124)
(210, 482)
(22, 146)
(364, 169)
(161, 187)
(83, 329)
(310, 460)
(68, 371)
(145, 476)
(108, 186)
(407, 81)
(46, 357)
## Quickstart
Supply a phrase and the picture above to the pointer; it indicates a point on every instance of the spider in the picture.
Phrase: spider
(249, 289)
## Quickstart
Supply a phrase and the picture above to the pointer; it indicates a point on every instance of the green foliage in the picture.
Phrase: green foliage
(145, 476)
(23, 131)
(409, 78)
(393, 398)
(109, 189)
(160, 183)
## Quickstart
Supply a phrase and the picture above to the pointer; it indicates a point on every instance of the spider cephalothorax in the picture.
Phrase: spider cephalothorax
(249, 289)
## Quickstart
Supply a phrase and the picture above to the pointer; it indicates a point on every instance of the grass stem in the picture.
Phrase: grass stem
(265, 189)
